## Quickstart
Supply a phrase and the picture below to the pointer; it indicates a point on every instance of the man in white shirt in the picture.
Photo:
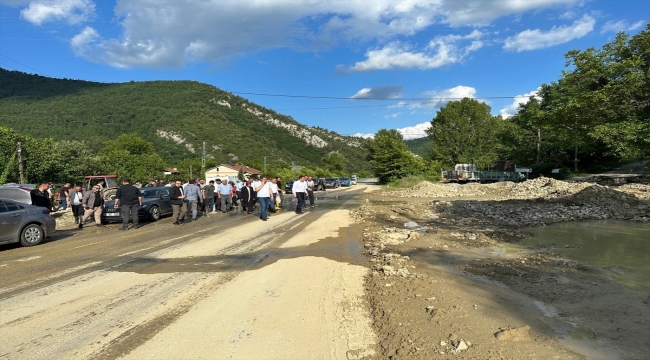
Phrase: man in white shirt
(263, 196)
(299, 190)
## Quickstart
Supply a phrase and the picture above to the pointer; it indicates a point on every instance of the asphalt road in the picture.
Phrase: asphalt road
(103, 293)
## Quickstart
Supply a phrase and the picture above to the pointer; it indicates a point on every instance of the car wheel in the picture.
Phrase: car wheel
(32, 235)
(154, 213)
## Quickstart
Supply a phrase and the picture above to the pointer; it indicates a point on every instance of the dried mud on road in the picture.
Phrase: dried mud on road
(435, 291)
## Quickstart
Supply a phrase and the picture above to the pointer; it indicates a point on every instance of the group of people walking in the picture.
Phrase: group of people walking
(189, 201)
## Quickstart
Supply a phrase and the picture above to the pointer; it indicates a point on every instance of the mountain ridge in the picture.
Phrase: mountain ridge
(175, 116)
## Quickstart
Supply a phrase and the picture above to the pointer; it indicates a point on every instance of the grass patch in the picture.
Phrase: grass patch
(411, 181)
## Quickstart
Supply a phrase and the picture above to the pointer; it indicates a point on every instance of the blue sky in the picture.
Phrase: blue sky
(379, 63)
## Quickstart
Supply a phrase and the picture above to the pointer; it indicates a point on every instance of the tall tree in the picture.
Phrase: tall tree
(390, 158)
(465, 132)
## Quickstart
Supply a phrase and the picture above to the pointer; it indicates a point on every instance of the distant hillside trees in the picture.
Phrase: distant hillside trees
(131, 156)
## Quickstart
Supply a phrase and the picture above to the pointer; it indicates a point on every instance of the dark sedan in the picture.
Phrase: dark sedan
(332, 183)
(26, 224)
(155, 204)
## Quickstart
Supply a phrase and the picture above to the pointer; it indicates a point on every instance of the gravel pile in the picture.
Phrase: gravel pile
(544, 188)
(592, 203)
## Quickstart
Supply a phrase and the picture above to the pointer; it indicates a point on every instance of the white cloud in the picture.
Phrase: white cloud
(364, 135)
(71, 11)
(164, 33)
(568, 15)
(513, 108)
(482, 12)
(538, 39)
(415, 132)
(379, 92)
(621, 25)
(400, 104)
(438, 99)
(392, 116)
(82, 42)
(441, 51)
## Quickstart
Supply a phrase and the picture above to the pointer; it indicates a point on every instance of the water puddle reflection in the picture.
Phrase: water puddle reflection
(346, 249)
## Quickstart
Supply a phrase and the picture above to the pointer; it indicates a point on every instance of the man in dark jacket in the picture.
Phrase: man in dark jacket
(93, 204)
(130, 198)
(179, 207)
(247, 198)
(40, 196)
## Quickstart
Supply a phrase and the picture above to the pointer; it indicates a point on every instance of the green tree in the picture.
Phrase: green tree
(465, 132)
(131, 156)
(390, 158)
(74, 159)
(335, 162)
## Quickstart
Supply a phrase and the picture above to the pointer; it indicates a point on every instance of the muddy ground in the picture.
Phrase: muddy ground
(435, 292)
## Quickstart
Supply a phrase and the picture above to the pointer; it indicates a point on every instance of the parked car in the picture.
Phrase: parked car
(332, 182)
(345, 181)
(289, 187)
(353, 179)
(23, 223)
(155, 204)
(18, 192)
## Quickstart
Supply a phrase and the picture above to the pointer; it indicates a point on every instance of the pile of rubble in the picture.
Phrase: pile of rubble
(388, 264)
(544, 188)
(618, 180)
(592, 203)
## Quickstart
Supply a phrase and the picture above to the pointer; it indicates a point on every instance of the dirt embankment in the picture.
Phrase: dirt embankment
(435, 292)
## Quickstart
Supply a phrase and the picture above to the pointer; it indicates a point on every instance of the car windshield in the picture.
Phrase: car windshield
(111, 182)
(344, 179)
(149, 193)
(330, 179)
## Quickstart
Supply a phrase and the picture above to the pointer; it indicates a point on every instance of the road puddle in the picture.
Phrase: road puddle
(347, 248)
(576, 336)
(621, 248)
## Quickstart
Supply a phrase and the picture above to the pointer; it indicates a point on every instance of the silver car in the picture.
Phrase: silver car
(26, 224)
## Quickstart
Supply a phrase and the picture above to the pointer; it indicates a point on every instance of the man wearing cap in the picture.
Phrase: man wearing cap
(130, 198)
(93, 204)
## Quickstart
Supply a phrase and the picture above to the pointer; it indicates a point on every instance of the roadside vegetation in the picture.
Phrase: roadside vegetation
(46, 159)
(594, 117)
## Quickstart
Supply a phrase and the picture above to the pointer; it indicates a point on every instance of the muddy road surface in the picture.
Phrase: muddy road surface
(227, 286)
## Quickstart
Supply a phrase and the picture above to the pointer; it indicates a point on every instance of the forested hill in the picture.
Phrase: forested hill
(175, 116)
(420, 146)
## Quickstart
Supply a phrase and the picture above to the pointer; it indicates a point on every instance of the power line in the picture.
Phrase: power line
(27, 66)
(366, 98)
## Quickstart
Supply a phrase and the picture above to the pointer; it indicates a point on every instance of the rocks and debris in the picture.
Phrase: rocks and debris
(513, 334)
(411, 224)
(618, 270)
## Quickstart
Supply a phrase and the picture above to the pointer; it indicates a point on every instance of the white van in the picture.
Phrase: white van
(353, 180)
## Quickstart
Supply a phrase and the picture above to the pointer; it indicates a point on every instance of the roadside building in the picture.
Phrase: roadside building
(230, 172)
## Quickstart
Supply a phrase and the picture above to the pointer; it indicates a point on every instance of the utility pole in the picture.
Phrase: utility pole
(203, 160)
(264, 162)
(21, 170)
(190, 171)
